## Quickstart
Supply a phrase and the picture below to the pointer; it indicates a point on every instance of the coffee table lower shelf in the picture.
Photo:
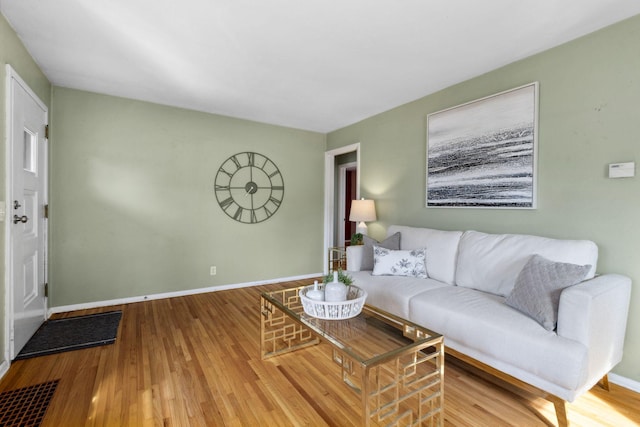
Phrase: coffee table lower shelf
(402, 384)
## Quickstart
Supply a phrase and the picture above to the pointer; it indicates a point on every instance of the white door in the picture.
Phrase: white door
(25, 211)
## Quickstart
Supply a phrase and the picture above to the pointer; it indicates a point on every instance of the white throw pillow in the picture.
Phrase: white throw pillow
(387, 262)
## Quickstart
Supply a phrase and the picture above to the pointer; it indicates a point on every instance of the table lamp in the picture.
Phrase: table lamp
(361, 211)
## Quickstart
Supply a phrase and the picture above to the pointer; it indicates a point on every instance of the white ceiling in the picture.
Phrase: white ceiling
(310, 64)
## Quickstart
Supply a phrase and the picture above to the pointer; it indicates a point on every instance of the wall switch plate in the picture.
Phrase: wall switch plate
(622, 170)
(3, 211)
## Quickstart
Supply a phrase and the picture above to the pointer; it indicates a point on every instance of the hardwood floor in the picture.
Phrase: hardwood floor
(195, 361)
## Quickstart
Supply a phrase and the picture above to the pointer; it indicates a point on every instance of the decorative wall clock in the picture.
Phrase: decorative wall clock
(249, 187)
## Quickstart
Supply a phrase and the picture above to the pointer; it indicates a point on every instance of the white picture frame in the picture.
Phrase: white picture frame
(483, 154)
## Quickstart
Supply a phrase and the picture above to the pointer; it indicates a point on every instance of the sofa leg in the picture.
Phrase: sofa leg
(604, 382)
(561, 411)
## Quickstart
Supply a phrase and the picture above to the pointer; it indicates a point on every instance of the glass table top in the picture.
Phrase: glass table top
(372, 337)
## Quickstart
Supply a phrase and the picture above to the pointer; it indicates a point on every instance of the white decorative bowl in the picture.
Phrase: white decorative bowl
(334, 310)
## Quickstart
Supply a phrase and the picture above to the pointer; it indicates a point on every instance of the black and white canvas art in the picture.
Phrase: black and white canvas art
(483, 153)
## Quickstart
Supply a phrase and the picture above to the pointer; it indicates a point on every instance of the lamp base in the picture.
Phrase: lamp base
(361, 228)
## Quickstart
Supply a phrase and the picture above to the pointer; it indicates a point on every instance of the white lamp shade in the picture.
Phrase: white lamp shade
(362, 210)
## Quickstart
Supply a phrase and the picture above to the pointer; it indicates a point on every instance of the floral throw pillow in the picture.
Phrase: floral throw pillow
(387, 262)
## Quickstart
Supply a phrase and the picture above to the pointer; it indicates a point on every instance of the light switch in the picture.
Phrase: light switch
(3, 211)
(622, 170)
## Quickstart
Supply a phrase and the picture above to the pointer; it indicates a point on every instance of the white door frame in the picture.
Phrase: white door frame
(329, 194)
(8, 276)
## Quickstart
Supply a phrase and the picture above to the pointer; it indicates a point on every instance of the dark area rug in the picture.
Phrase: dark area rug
(26, 407)
(72, 333)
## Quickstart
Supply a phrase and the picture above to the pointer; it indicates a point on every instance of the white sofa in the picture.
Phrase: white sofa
(470, 274)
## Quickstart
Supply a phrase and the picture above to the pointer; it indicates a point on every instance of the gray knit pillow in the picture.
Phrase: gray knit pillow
(539, 285)
(391, 242)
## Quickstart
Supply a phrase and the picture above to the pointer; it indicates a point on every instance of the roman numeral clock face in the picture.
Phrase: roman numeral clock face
(249, 187)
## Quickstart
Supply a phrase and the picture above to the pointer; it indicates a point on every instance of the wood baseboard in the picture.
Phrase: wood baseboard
(4, 367)
(196, 291)
(625, 382)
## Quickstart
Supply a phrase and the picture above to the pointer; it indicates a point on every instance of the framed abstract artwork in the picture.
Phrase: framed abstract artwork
(482, 154)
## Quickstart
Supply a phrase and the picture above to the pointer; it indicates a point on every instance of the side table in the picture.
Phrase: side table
(337, 258)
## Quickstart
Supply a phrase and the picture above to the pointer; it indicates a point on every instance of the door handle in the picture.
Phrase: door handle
(17, 219)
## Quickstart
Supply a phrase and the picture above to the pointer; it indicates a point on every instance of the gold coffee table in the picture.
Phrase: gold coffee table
(395, 365)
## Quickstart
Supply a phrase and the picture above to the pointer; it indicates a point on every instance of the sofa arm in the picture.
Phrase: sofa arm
(354, 257)
(594, 313)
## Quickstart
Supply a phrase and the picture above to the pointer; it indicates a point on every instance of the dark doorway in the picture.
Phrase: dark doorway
(350, 195)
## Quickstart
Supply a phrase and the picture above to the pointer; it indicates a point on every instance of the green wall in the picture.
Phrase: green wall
(133, 210)
(12, 52)
(589, 117)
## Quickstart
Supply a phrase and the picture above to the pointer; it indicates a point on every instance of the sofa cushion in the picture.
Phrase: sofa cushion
(442, 249)
(391, 242)
(399, 263)
(482, 325)
(539, 285)
(492, 262)
(392, 293)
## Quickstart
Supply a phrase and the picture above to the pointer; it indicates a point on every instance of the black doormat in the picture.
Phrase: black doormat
(26, 407)
(72, 333)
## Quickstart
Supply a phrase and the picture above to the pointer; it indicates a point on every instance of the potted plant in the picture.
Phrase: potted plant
(356, 239)
(341, 276)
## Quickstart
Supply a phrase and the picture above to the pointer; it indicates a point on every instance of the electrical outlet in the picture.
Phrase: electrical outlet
(212, 270)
